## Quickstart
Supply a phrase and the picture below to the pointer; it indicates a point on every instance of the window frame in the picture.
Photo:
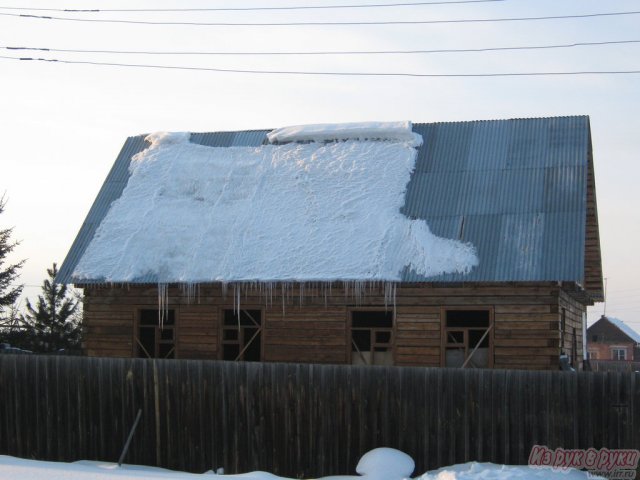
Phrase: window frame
(349, 335)
(222, 328)
(467, 349)
(617, 348)
(157, 336)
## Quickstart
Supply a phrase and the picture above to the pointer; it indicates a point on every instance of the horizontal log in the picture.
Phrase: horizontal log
(401, 350)
(426, 334)
(418, 360)
(417, 342)
(274, 325)
(326, 341)
(525, 352)
(555, 334)
(524, 342)
(418, 326)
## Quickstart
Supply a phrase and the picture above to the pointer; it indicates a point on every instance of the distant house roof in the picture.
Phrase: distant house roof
(626, 329)
(521, 191)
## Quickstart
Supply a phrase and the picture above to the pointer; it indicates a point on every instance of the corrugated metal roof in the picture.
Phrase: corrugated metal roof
(516, 189)
(630, 332)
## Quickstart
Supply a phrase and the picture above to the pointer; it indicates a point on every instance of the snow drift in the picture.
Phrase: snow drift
(294, 212)
(390, 131)
(378, 464)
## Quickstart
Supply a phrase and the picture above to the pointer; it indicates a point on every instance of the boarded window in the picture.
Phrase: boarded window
(372, 338)
(467, 339)
(156, 335)
(241, 335)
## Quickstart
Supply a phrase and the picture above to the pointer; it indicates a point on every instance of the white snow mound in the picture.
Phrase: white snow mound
(294, 212)
(390, 131)
(385, 463)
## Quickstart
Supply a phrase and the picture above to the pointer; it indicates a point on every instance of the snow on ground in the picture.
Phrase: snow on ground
(378, 464)
(295, 212)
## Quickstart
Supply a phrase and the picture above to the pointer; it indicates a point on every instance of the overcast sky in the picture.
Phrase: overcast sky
(62, 125)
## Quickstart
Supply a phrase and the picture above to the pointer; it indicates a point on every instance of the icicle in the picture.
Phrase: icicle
(282, 293)
(300, 293)
(163, 303)
(390, 294)
(270, 294)
(236, 299)
(189, 290)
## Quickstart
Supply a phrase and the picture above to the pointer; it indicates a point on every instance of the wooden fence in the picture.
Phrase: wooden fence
(614, 366)
(303, 420)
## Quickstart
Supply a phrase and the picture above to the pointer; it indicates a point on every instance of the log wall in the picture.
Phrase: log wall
(309, 327)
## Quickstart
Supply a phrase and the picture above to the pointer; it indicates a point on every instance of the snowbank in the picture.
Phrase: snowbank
(389, 131)
(378, 464)
(293, 212)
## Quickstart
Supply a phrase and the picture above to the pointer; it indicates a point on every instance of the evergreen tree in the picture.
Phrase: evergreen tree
(8, 272)
(52, 324)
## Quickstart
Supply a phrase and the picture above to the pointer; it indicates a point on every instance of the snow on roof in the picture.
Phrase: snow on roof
(292, 212)
(393, 131)
(625, 328)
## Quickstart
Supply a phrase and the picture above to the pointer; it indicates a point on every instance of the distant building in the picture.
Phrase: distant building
(611, 339)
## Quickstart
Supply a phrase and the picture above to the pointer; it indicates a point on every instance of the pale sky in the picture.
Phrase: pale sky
(62, 125)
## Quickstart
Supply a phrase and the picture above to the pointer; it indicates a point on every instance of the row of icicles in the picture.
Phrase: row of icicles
(285, 292)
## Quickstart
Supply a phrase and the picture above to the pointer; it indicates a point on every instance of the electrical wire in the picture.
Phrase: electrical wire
(325, 23)
(328, 73)
(246, 9)
(353, 52)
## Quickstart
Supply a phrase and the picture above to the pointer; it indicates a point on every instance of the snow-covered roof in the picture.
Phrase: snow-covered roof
(484, 201)
(626, 329)
(296, 212)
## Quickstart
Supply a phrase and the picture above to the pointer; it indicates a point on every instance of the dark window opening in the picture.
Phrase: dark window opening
(372, 338)
(241, 335)
(467, 339)
(156, 334)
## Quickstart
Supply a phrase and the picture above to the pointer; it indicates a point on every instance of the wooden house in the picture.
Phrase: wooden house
(611, 339)
(519, 194)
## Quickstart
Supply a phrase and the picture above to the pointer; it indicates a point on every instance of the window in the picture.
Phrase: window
(156, 337)
(371, 338)
(241, 335)
(592, 355)
(466, 338)
(618, 353)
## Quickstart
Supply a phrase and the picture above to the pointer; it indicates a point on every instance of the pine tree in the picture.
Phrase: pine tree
(8, 272)
(53, 324)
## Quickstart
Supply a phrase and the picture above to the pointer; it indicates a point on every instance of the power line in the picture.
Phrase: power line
(327, 23)
(353, 52)
(246, 9)
(329, 73)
